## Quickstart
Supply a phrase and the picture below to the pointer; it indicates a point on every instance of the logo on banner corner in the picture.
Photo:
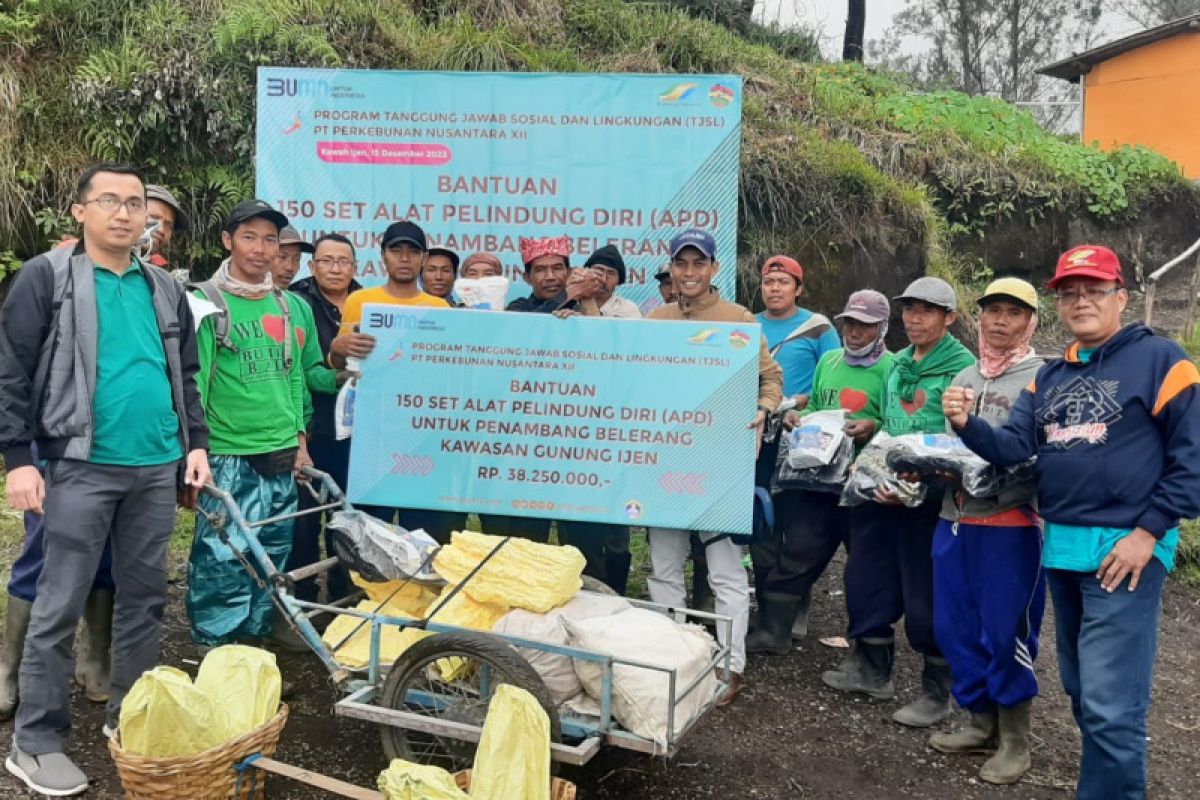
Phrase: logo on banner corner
(739, 339)
(633, 510)
(708, 336)
(720, 95)
(677, 93)
(295, 126)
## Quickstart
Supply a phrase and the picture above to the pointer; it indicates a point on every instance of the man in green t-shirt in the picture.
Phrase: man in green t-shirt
(850, 378)
(889, 566)
(253, 386)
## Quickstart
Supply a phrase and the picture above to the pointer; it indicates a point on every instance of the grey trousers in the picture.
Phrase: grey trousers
(84, 503)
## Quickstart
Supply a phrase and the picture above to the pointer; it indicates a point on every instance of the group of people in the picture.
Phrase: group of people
(123, 391)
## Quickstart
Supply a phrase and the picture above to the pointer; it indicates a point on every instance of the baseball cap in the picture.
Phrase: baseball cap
(866, 305)
(404, 231)
(443, 251)
(1087, 261)
(934, 291)
(163, 195)
(694, 237)
(289, 235)
(249, 209)
(784, 264)
(1011, 289)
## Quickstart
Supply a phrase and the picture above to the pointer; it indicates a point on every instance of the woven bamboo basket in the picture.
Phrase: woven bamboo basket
(209, 775)
(559, 789)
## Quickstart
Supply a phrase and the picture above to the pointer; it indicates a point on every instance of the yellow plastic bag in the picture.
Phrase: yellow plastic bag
(164, 715)
(513, 758)
(524, 574)
(410, 598)
(404, 780)
(243, 683)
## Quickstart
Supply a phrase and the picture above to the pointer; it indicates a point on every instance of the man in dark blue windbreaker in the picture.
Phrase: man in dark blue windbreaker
(1115, 426)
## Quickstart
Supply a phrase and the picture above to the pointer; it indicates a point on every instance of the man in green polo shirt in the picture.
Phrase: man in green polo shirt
(97, 367)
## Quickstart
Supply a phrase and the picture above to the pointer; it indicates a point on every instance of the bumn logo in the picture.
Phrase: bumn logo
(295, 87)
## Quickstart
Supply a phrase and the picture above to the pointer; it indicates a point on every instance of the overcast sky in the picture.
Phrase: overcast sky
(829, 16)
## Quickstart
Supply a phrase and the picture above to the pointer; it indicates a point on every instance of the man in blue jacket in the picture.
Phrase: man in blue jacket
(1115, 426)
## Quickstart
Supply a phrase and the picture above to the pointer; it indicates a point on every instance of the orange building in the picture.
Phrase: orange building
(1143, 89)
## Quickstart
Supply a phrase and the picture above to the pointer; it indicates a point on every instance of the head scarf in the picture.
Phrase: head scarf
(994, 362)
(868, 355)
(227, 283)
(545, 246)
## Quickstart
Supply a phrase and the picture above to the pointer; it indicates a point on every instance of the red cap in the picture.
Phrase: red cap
(1087, 261)
(784, 264)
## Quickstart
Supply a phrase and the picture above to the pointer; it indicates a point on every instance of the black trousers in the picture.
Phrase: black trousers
(810, 529)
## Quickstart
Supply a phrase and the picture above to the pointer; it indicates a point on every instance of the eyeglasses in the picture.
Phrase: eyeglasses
(1092, 294)
(109, 203)
(327, 263)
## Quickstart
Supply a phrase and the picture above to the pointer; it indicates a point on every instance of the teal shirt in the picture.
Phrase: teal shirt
(135, 420)
(1082, 548)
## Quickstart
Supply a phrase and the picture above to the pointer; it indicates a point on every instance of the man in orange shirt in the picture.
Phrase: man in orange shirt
(403, 254)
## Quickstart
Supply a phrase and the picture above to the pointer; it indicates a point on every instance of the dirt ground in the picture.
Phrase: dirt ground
(787, 736)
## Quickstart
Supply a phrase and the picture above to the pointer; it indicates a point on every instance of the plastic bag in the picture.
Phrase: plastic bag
(513, 758)
(828, 478)
(641, 697)
(484, 293)
(379, 551)
(816, 440)
(245, 685)
(523, 574)
(404, 780)
(557, 671)
(871, 472)
(930, 454)
(343, 407)
(165, 715)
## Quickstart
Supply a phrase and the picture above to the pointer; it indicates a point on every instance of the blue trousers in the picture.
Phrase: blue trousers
(989, 594)
(1106, 648)
(889, 572)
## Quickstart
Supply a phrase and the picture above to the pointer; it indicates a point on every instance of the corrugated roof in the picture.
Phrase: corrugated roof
(1069, 69)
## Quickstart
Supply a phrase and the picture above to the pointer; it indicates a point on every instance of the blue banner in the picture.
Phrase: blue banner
(603, 420)
(481, 159)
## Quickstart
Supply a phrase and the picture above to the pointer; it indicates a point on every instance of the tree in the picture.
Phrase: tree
(994, 47)
(856, 22)
(1149, 13)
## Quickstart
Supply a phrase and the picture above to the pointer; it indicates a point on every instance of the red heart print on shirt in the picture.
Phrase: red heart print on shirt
(300, 336)
(916, 404)
(852, 400)
(273, 326)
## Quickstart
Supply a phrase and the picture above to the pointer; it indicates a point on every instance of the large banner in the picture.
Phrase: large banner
(481, 159)
(625, 421)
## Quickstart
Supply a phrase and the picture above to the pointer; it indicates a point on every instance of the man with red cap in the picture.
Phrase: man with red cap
(1115, 426)
(796, 338)
(556, 287)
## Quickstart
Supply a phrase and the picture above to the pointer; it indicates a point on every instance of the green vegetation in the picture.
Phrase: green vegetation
(835, 157)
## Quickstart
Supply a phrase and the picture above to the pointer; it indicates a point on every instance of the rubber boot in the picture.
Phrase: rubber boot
(93, 656)
(800, 626)
(16, 622)
(977, 736)
(774, 632)
(933, 705)
(867, 668)
(1012, 760)
(616, 565)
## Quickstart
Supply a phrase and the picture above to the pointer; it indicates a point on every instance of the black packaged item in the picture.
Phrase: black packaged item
(872, 472)
(381, 552)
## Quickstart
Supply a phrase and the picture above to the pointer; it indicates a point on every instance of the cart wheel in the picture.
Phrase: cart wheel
(416, 684)
(595, 586)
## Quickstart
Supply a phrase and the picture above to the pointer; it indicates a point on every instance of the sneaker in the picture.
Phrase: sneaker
(50, 774)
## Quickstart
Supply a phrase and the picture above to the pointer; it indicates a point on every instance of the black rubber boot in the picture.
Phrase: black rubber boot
(1011, 760)
(800, 626)
(16, 623)
(933, 705)
(977, 736)
(774, 632)
(616, 565)
(867, 669)
(93, 656)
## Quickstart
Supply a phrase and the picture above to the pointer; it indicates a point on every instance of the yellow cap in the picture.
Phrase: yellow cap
(1012, 289)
